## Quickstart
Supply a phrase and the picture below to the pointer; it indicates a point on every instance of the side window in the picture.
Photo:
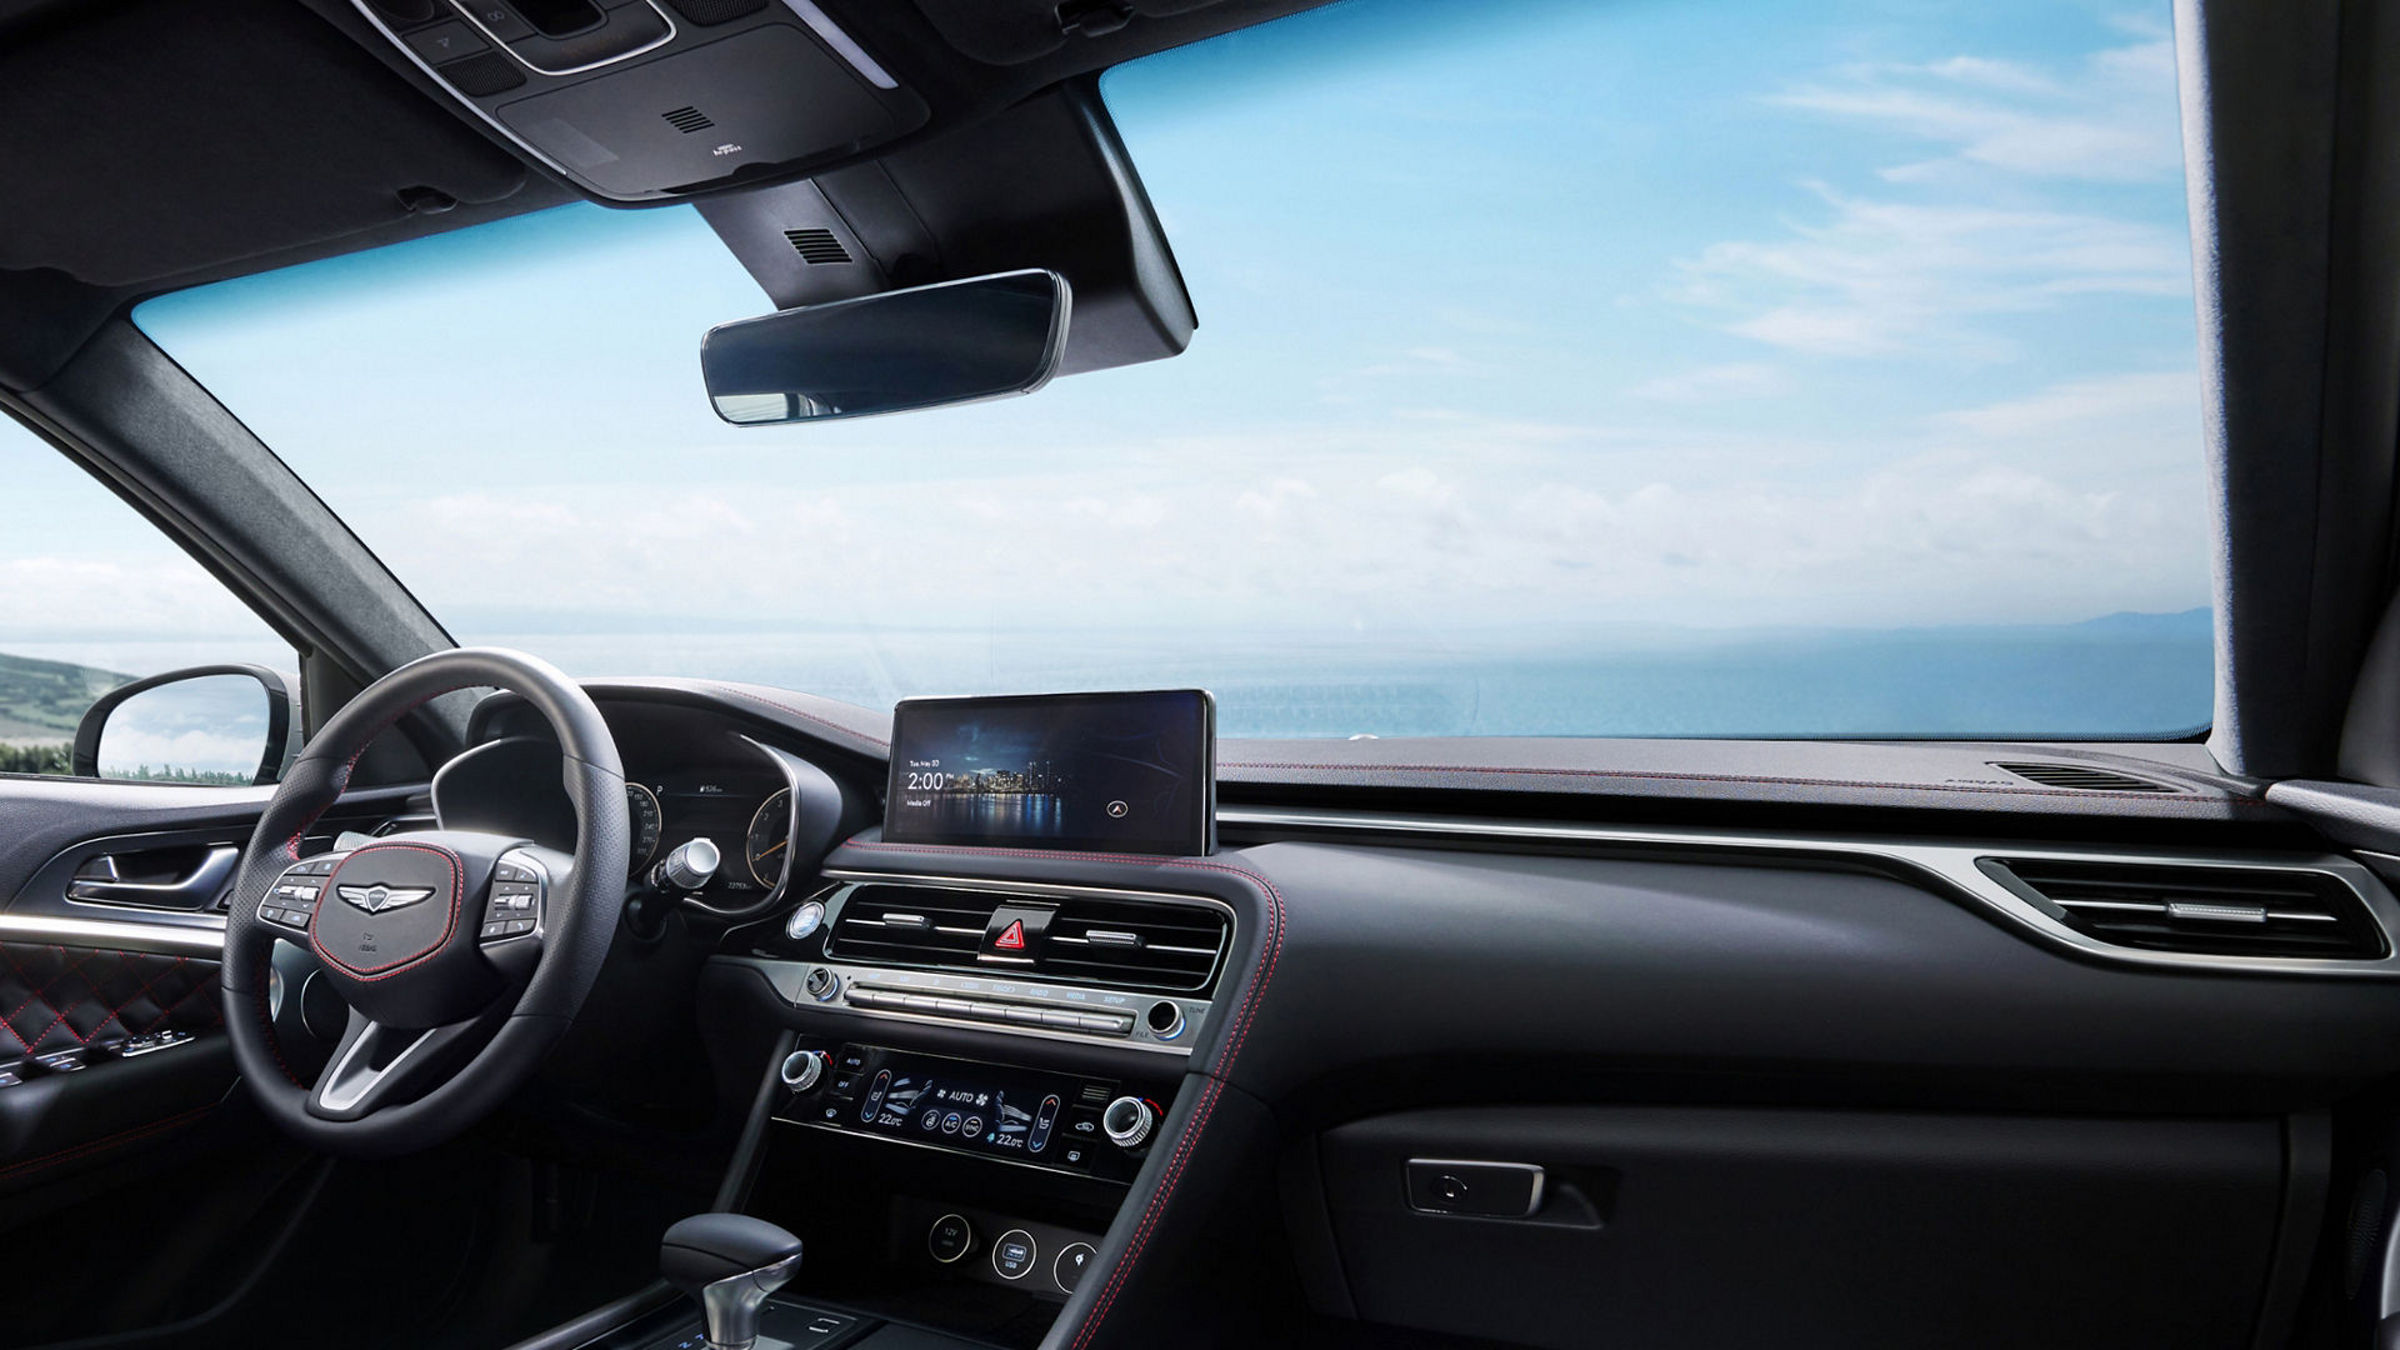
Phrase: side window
(95, 605)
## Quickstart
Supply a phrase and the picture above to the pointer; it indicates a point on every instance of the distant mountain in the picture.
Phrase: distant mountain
(41, 701)
(2127, 623)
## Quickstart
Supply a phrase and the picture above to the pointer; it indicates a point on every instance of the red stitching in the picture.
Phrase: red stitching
(199, 986)
(370, 974)
(266, 1019)
(1244, 1019)
(1996, 788)
(1237, 1036)
(110, 1141)
(44, 1033)
(341, 777)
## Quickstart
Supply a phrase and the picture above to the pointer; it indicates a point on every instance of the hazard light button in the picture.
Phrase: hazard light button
(1015, 932)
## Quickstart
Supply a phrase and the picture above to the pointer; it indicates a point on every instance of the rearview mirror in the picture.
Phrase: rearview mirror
(928, 347)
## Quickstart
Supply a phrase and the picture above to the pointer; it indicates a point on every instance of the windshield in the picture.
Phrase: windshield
(1655, 368)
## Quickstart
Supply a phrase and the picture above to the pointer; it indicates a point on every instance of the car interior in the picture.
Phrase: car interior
(400, 975)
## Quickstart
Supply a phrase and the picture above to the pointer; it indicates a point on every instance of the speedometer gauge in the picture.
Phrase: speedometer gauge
(641, 807)
(770, 836)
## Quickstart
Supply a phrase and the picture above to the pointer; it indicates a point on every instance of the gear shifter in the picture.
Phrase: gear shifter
(730, 1263)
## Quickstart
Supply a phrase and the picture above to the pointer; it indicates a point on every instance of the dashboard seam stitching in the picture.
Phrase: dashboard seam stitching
(1238, 1035)
(1994, 789)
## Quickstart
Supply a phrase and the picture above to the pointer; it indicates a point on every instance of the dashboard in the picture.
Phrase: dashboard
(1437, 1052)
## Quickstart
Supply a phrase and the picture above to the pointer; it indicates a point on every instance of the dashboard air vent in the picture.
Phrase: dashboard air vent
(1133, 944)
(2214, 911)
(1145, 944)
(914, 925)
(2083, 778)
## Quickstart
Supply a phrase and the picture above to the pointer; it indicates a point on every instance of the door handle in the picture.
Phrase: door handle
(194, 890)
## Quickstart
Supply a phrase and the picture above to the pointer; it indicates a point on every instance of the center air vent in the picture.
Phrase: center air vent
(2083, 778)
(816, 246)
(1156, 945)
(2212, 911)
(914, 926)
(1140, 943)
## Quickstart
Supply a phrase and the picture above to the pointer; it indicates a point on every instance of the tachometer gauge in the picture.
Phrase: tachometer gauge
(641, 807)
(770, 836)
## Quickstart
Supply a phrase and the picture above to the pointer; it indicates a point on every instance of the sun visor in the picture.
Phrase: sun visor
(1046, 184)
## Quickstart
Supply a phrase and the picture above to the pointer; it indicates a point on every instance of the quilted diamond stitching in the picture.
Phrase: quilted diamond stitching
(61, 997)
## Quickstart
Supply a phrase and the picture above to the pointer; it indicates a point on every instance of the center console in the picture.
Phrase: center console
(986, 1029)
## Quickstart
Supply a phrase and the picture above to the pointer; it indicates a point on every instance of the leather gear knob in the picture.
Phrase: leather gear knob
(729, 1263)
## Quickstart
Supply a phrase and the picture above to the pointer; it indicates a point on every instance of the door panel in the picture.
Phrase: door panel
(128, 1153)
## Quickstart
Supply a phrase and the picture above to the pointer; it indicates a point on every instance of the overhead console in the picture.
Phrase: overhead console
(638, 100)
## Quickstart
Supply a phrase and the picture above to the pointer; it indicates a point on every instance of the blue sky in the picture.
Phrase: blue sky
(1527, 326)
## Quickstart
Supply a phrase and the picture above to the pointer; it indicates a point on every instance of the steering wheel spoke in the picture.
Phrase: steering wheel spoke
(376, 1065)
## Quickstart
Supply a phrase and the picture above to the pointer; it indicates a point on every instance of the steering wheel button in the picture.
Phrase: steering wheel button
(493, 930)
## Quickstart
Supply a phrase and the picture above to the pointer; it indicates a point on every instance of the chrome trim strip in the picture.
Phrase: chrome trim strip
(842, 43)
(205, 933)
(1951, 866)
(791, 830)
(787, 976)
(519, 57)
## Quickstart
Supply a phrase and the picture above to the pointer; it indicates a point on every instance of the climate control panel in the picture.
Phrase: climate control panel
(1031, 1117)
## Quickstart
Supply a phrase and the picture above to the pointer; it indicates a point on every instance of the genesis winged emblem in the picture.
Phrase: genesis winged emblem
(378, 898)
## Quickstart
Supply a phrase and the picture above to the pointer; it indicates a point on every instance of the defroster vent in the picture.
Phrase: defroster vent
(2083, 778)
(2210, 911)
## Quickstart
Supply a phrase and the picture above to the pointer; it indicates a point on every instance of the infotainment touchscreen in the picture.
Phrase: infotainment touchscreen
(1123, 773)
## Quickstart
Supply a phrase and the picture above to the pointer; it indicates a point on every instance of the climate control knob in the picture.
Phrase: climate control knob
(1127, 1121)
(802, 1068)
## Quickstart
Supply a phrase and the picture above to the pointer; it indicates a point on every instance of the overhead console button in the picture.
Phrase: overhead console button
(446, 41)
(498, 18)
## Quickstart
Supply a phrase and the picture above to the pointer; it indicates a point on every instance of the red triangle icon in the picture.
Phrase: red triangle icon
(1012, 938)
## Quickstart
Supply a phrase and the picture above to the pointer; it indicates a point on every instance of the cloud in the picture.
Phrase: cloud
(2104, 122)
(161, 593)
(2002, 219)
(2161, 401)
(1886, 278)
(1435, 523)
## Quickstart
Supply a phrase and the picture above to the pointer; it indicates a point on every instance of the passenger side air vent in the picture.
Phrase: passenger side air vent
(2212, 911)
(1141, 944)
(913, 926)
(2084, 778)
(1157, 945)
(816, 246)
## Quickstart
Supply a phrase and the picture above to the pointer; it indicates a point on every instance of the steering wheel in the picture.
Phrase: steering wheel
(462, 955)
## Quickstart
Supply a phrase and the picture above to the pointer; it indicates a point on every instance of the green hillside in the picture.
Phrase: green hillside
(41, 701)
